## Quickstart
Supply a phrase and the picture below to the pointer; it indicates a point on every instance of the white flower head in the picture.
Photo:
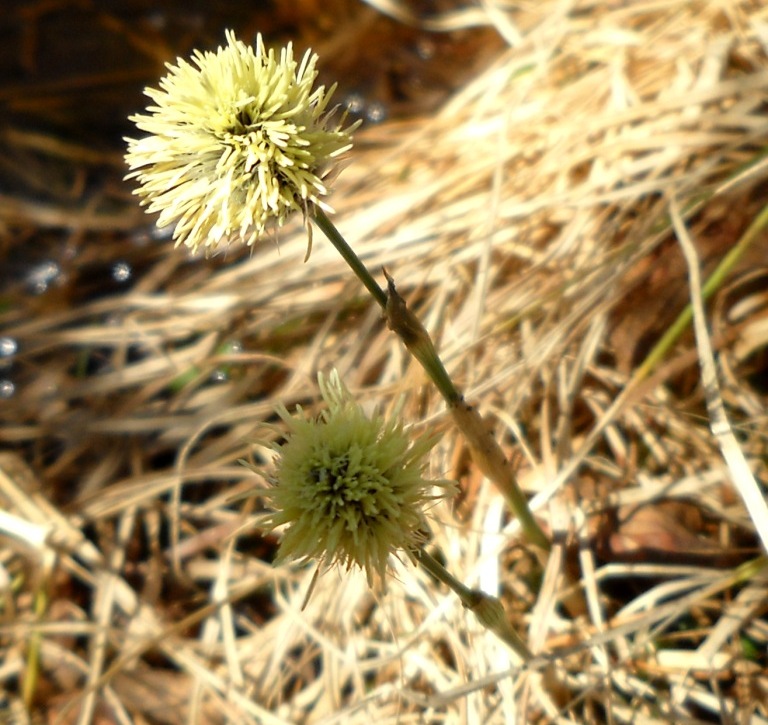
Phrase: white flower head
(237, 141)
(350, 488)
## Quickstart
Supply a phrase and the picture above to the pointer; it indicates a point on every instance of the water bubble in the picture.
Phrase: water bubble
(7, 389)
(42, 275)
(219, 376)
(425, 48)
(376, 112)
(8, 346)
(161, 234)
(235, 346)
(121, 271)
(354, 102)
(157, 20)
(140, 238)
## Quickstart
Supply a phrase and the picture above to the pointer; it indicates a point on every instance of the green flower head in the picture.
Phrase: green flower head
(238, 140)
(348, 487)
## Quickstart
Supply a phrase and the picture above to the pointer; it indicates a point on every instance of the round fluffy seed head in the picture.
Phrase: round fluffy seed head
(238, 140)
(348, 487)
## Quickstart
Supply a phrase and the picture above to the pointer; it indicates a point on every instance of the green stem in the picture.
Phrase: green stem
(404, 323)
(401, 320)
(713, 283)
(330, 231)
(488, 610)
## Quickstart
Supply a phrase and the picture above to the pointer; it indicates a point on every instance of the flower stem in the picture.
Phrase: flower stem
(403, 322)
(349, 256)
(488, 610)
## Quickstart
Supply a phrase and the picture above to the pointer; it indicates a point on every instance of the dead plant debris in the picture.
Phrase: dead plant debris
(517, 175)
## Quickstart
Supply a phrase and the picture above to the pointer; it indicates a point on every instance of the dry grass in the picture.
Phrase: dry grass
(530, 222)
